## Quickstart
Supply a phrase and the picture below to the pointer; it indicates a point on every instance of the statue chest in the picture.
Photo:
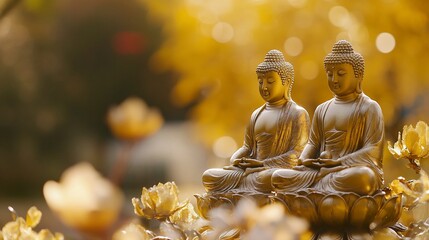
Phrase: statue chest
(267, 121)
(338, 116)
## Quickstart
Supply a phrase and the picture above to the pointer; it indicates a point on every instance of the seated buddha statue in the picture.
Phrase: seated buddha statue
(274, 138)
(344, 152)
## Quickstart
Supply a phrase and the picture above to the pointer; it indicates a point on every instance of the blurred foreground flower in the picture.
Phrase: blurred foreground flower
(22, 229)
(133, 120)
(248, 221)
(412, 145)
(416, 205)
(159, 201)
(418, 190)
(406, 188)
(83, 199)
(132, 231)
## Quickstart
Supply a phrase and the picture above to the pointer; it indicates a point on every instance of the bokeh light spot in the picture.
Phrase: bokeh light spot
(207, 17)
(343, 36)
(359, 33)
(224, 147)
(339, 16)
(385, 42)
(223, 32)
(293, 46)
(297, 3)
(309, 70)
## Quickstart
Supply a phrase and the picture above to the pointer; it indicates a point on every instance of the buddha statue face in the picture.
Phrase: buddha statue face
(344, 68)
(271, 86)
(342, 79)
(275, 77)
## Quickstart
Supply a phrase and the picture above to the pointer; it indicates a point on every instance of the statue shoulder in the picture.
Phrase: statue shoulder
(371, 106)
(300, 111)
(256, 112)
(322, 107)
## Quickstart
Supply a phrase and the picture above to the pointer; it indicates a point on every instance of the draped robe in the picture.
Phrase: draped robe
(279, 150)
(360, 152)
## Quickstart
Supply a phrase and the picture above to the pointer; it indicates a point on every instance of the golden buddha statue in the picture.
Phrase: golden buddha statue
(274, 138)
(344, 152)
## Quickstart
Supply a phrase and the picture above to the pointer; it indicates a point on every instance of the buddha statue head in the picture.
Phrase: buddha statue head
(344, 68)
(275, 77)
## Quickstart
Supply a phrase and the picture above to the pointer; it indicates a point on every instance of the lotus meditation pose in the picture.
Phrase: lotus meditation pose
(275, 136)
(344, 152)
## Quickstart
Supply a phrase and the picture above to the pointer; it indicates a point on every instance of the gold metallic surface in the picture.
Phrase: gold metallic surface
(336, 183)
(274, 138)
(344, 152)
(340, 169)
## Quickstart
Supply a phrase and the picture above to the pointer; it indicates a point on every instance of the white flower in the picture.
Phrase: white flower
(83, 199)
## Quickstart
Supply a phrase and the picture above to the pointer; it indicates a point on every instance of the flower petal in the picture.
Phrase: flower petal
(388, 214)
(168, 199)
(45, 234)
(421, 128)
(33, 217)
(137, 207)
(147, 199)
(185, 214)
(363, 212)
(11, 230)
(411, 137)
(394, 150)
(132, 231)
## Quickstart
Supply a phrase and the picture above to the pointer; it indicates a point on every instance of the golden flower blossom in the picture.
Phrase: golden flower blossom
(414, 142)
(416, 195)
(415, 191)
(133, 120)
(412, 145)
(159, 201)
(402, 186)
(22, 229)
(187, 218)
(83, 199)
(185, 214)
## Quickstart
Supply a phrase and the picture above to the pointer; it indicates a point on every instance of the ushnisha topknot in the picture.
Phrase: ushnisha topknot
(275, 61)
(343, 52)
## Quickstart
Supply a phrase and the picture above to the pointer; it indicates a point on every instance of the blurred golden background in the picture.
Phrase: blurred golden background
(64, 63)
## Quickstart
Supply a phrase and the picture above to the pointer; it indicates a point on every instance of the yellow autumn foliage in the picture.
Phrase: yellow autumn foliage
(215, 46)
